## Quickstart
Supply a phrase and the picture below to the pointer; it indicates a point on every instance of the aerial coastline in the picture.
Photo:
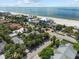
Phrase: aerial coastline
(61, 21)
(36, 36)
(39, 29)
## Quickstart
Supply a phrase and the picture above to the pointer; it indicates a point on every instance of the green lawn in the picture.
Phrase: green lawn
(46, 53)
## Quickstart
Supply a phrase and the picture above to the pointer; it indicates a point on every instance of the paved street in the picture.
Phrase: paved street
(70, 39)
(34, 53)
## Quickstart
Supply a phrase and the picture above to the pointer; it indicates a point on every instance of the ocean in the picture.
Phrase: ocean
(59, 12)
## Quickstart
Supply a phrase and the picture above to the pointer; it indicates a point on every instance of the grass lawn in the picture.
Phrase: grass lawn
(46, 53)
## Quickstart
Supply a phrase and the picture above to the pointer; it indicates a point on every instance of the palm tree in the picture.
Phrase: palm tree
(53, 39)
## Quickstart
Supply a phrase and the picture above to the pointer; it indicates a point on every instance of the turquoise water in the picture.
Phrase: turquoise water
(64, 12)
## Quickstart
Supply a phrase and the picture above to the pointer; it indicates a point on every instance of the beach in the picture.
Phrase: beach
(62, 21)
(67, 22)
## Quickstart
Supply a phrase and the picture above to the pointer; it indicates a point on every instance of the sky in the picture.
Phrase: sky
(39, 3)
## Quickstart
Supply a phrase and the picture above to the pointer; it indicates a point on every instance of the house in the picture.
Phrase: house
(47, 21)
(33, 20)
(65, 52)
(2, 44)
(14, 33)
(14, 26)
(21, 30)
(44, 19)
(17, 40)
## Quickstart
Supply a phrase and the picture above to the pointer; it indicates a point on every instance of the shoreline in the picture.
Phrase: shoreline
(61, 21)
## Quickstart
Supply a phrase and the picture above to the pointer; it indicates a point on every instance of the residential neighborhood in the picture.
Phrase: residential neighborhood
(33, 37)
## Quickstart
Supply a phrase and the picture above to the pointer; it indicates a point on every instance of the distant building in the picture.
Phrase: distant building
(2, 13)
(65, 52)
(44, 19)
(33, 20)
(30, 17)
(47, 20)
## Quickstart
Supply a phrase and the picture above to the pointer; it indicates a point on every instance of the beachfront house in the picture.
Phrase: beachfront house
(48, 21)
(33, 21)
(44, 19)
(65, 52)
(30, 17)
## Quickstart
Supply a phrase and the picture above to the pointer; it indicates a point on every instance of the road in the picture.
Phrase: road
(67, 38)
(34, 53)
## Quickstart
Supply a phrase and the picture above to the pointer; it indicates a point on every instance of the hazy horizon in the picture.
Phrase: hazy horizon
(39, 3)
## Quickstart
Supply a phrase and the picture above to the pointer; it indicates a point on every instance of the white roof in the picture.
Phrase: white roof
(65, 52)
(16, 32)
(2, 57)
(19, 30)
(44, 19)
(12, 34)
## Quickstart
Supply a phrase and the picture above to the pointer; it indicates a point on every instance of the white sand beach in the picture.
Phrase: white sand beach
(67, 22)
(62, 21)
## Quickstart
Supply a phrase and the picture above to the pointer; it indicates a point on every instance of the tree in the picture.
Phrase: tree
(59, 27)
(63, 26)
(63, 42)
(77, 35)
(69, 29)
(46, 53)
(29, 29)
(76, 46)
(4, 29)
(6, 38)
(53, 39)
(14, 51)
(57, 43)
(46, 36)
